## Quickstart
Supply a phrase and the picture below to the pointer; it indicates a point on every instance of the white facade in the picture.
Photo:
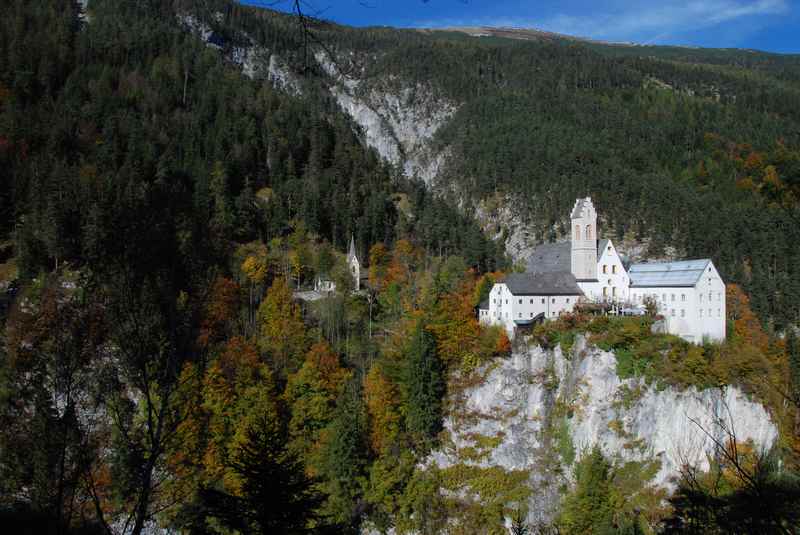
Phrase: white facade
(695, 311)
(584, 240)
(324, 285)
(690, 294)
(612, 280)
(354, 265)
(512, 310)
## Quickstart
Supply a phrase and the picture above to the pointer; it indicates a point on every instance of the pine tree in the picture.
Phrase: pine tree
(424, 387)
(277, 496)
(588, 508)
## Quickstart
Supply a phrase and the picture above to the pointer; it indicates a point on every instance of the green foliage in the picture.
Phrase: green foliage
(344, 465)
(588, 509)
(424, 387)
(276, 496)
(566, 448)
(793, 352)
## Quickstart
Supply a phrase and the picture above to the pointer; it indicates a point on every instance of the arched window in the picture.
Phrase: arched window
(577, 232)
(588, 232)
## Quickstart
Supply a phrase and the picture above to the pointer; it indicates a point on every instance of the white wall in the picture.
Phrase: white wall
(614, 279)
(505, 308)
(688, 311)
(583, 245)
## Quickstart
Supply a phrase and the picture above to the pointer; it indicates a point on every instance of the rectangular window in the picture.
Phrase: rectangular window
(701, 298)
(664, 298)
(709, 312)
(614, 291)
(683, 312)
(520, 314)
(531, 301)
(531, 314)
(520, 301)
(683, 297)
(554, 300)
(605, 268)
(673, 297)
(506, 301)
(701, 312)
(543, 300)
(567, 299)
(614, 269)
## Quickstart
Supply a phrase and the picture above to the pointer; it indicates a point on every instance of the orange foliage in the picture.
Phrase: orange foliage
(222, 307)
(382, 399)
(404, 258)
(746, 326)
(459, 336)
(378, 266)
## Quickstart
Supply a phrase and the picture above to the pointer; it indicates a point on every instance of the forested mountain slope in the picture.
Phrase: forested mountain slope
(664, 138)
(173, 172)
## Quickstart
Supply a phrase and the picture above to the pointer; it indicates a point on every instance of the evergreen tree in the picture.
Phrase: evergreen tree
(276, 495)
(345, 461)
(424, 387)
(588, 508)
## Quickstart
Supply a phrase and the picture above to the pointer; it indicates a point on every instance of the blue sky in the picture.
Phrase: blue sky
(772, 25)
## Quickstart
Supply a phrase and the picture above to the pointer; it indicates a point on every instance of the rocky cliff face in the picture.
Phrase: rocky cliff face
(398, 119)
(544, 408)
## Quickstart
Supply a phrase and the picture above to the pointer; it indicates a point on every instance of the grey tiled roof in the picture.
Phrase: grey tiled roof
(558, 283)
(484, 305)
(551, 257)
(679, 274)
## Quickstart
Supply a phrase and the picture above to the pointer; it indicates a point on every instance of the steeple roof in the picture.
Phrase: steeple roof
(580, 205)
(351, 254)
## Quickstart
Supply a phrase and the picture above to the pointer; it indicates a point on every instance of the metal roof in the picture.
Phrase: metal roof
(685, 273)
(560, 283)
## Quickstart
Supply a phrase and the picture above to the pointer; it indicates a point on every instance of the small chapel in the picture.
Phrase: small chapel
(688, 294)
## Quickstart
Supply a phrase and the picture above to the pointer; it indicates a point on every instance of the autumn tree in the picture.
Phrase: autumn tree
(311, 394)
(282, 329)
(274, 495)
(382, 399)
(379, 260)
(746, 326)
(220, 312)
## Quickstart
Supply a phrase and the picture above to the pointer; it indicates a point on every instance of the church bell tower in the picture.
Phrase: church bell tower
(584, 240)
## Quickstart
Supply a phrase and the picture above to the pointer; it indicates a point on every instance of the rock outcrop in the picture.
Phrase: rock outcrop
(522, 399)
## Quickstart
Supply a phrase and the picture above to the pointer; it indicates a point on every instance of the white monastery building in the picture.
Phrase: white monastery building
(689, 294)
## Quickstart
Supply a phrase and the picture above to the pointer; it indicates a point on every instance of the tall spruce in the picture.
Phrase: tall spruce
(424, 386)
